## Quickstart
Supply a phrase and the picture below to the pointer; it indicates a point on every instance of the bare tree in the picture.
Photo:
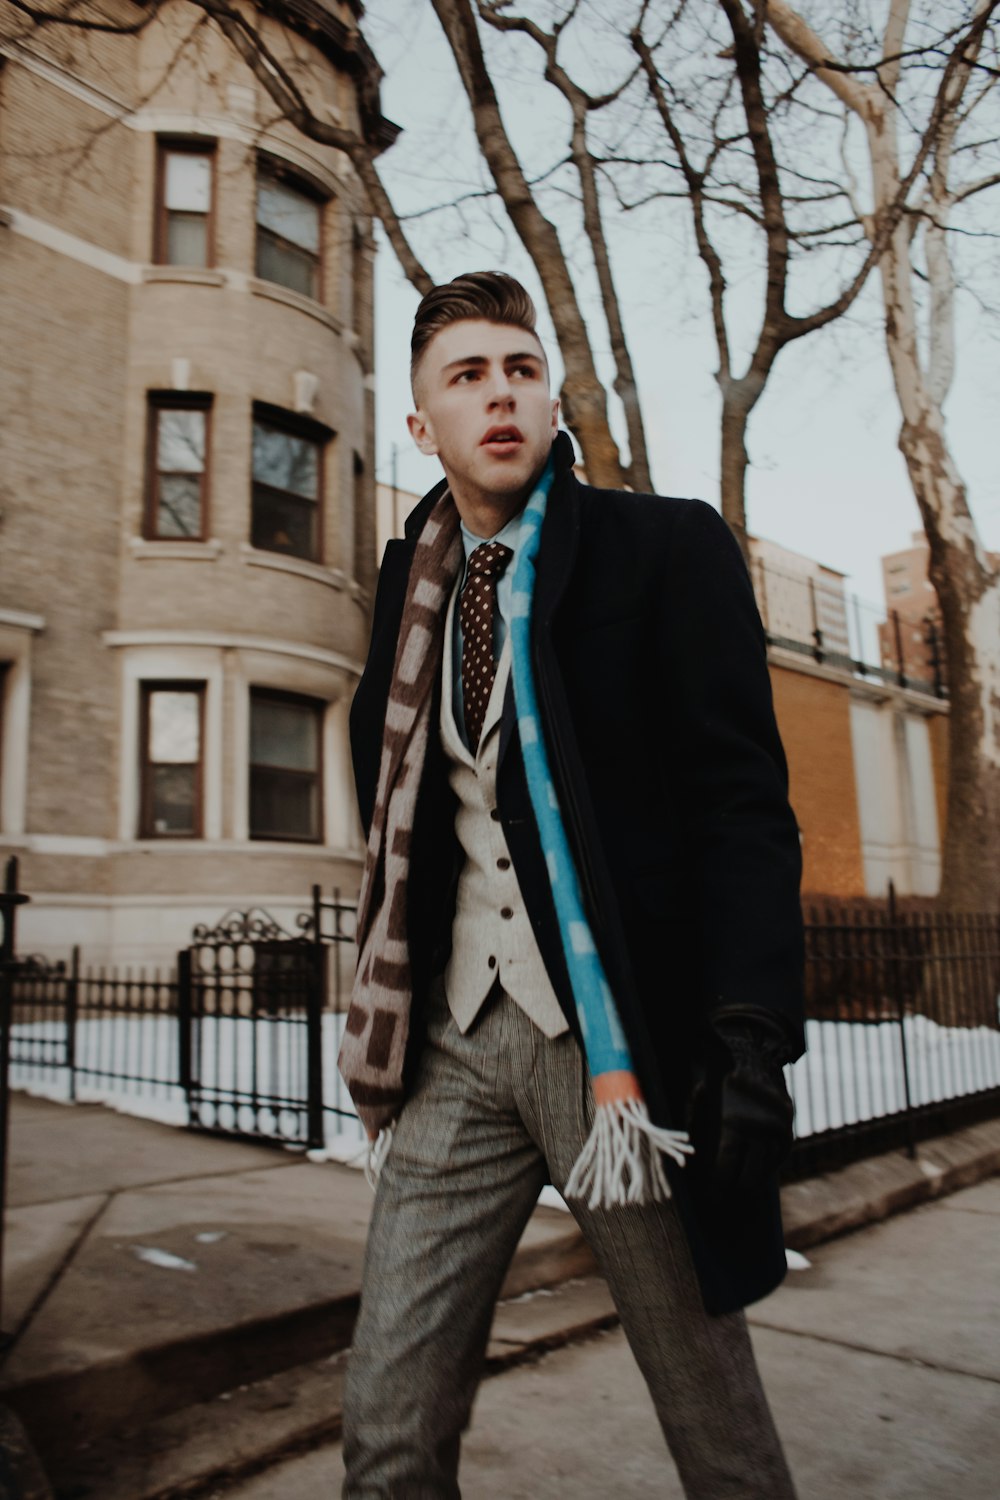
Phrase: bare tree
(583, 395)
(710, 140)
(955, 87)
(754, 190)
(546, 255)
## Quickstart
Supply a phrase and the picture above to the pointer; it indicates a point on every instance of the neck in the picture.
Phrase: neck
(484, 517)
(485, 513)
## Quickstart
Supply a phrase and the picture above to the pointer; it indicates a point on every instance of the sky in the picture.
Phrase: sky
(826, 476)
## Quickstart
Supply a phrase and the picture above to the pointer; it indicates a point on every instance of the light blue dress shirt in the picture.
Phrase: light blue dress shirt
(509, 537)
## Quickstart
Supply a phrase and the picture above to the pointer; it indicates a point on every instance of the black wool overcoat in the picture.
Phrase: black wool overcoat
(655, 698)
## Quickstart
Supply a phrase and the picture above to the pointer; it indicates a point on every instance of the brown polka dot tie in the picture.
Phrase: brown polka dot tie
(477, 612)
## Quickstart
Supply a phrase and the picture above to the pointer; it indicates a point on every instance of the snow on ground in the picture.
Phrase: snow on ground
(852, 1071)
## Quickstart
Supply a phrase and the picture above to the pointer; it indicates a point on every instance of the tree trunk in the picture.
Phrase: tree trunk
(584, 399)
(968, 591)
(733, 468)
(969, 596)
(737, 404)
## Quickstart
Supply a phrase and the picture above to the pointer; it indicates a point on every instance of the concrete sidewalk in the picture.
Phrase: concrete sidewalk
(149, 1269)
(881, 1362)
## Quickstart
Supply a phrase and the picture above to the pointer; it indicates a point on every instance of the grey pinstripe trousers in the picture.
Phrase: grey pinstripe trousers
(488, 1111)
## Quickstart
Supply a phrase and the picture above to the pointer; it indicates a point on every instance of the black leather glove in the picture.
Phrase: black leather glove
(741, 1119)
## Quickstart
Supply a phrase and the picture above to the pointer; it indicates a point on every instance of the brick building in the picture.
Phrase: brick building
(187, 528)
(866, 751)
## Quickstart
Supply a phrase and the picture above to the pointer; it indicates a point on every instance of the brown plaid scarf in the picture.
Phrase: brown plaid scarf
(377, 1026)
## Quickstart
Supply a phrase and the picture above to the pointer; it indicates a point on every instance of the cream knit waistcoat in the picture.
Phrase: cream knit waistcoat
(491, 934)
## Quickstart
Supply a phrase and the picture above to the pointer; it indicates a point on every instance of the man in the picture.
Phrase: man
(590, 723)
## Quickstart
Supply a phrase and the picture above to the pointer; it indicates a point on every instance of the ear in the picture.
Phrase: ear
(421, 433)
(555, 415)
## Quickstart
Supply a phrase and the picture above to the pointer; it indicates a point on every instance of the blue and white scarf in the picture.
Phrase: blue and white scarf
(621, 1159)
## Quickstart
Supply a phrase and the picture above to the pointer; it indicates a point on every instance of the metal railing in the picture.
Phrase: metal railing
(902, 1029)
(10, 899)
(813, 615)
(240, 1038)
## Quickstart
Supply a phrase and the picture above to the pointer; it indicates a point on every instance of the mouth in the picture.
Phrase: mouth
(502, 441)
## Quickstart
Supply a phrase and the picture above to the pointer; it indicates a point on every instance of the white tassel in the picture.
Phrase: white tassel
(377, 1153)
(620, 1161)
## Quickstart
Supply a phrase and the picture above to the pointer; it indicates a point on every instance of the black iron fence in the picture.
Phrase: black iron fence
(10, 899)
(240, 1038)
(902, 1028)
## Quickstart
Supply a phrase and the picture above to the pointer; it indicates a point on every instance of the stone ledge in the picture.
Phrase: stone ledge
(835, 1203)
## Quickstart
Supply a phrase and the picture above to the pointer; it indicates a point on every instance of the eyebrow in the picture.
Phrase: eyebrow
(478, 360)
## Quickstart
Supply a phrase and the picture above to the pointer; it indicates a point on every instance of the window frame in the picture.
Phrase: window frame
(157, 402)
(191, 146)
(293, 424)
(319, 707)
(299, 182)
(147, 687)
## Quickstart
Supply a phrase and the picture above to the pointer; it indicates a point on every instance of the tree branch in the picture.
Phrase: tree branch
(282, 88)
(583, 395)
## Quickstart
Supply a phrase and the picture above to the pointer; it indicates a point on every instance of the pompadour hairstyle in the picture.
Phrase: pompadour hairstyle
(492, 296)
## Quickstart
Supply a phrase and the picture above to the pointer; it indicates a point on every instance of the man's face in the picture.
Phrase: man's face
(484, 409)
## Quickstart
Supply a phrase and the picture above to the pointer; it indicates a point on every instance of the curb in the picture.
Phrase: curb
(835, 1203)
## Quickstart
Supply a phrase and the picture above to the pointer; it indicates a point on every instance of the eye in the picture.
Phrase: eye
(465, 376)
(528, 371)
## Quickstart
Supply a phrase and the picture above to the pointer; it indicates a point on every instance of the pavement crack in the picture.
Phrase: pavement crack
(58, 1271)
(903, 1359)
(145, 1187)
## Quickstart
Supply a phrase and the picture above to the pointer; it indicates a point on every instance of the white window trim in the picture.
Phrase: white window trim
(17, 632)
(229, 665)
(145, 548)
(145, 664)
(257, 557)
(341, 832)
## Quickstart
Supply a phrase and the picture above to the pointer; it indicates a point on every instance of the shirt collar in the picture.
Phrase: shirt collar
(508, 536)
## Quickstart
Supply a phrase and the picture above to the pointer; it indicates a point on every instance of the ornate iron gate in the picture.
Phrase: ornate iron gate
(251, 999)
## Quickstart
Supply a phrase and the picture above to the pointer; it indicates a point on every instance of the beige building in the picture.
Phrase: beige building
(187, 527)
(798, 596)
(912, 635)
(392, 506)
(910, 640)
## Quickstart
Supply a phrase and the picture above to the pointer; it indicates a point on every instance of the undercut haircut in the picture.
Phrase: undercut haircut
(488, 296)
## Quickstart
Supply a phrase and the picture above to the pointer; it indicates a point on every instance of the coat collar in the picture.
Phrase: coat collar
(559, 539)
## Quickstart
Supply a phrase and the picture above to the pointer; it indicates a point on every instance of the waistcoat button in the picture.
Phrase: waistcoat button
(506, 913)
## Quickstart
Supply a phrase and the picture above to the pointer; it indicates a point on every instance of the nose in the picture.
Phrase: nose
(500, 391)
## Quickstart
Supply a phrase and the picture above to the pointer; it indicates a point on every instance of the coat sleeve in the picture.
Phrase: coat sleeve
(367, 717)
(741, 833)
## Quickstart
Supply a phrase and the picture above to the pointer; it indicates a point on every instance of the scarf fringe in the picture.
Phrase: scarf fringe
(621, 1159)
(376, 1155)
